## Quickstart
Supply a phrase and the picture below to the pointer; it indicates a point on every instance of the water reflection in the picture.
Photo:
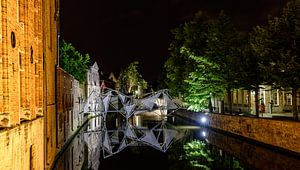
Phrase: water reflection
(199, 148)
(72, 157)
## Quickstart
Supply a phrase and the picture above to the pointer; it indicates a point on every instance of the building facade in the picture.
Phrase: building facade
(93, 94)
(28, 32)
(50, 55)
(273, 100)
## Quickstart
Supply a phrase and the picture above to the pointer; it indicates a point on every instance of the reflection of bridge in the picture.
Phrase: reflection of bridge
(123, 109)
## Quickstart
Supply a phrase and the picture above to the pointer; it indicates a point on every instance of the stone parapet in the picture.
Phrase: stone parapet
(279, 133)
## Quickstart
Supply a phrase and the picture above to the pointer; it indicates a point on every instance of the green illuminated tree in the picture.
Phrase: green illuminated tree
(203, 83)
(72, 61)
(205, 60)
(130, 78)
(178, 66)
(198, 155)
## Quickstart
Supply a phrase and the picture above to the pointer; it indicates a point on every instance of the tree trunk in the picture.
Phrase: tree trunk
(210, 106)
(229, 100)
(294, 103)
(222, 107)
(256, 101)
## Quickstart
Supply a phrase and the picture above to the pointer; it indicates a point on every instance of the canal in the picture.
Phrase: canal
(193, 147)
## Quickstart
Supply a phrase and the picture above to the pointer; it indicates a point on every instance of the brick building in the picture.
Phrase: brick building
(28, 38)
(69, 106)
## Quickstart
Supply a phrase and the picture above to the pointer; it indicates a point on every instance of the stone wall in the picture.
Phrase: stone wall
(22, 147)
(21, 63)
(283, 134)
(69, 106)
(28, 41)
(50, 43)
(256, 156)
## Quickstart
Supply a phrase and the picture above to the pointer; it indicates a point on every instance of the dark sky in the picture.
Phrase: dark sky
(116, 33)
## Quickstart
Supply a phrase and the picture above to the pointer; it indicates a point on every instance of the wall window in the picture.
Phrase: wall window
(288, 99)
(13, 39)
(275, 97)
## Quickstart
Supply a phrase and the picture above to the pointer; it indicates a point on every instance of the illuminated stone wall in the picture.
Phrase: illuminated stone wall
(256, 156)
(22, 147)
(283, 134)
(50, 43)
(21, 64)
(21, 85)
(28, 38)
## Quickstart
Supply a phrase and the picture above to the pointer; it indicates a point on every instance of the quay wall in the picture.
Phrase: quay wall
(280, 133)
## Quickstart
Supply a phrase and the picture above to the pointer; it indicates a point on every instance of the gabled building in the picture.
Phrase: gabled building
(93, 93)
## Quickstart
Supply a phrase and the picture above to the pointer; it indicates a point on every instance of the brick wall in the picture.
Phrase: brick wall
(257, 157)
(22, 147)
(69, 106)
(28, 39)
(21, 64)
(50, 42)
(283, 134)
(21, 85)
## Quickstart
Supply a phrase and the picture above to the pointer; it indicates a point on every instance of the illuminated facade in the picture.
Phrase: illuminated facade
(93, 92)
(28, 38)
(280, 99)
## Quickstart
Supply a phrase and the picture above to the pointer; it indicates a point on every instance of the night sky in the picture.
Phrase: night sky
(115, 33)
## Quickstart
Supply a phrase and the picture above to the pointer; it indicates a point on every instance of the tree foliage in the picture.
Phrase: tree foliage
(208, 57)
(202, 83)
(204, 59)
(224, 49)
(130, 78)
(73, 62)
(178, 66)
(277, 44)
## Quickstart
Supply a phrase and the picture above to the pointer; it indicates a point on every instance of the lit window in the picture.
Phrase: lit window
(275, 97)
(288, 99)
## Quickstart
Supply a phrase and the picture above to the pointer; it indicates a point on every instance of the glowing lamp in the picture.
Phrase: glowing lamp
(203, 119)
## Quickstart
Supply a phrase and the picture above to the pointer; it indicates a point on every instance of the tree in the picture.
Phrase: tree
(224, 49)
(130, 78)
(178, 66)
(251, 74)
(279, 49)
(73, 62)
(205, 57)
(203, 83)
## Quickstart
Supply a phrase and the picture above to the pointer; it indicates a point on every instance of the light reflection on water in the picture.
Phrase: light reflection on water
(201, 148)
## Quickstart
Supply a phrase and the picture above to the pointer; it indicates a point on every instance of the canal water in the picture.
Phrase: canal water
(196, 148)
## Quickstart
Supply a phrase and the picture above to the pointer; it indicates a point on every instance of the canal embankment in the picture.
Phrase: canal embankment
(279, 134)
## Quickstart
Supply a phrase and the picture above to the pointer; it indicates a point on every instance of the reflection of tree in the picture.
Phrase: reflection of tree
(197, 154)
(223, 160)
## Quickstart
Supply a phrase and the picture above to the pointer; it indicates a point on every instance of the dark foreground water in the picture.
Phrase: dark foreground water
(199, 148)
